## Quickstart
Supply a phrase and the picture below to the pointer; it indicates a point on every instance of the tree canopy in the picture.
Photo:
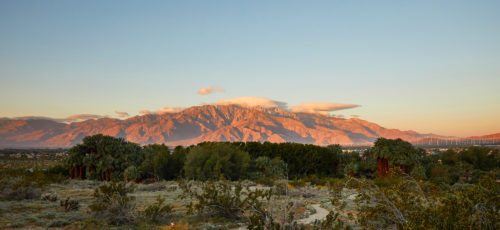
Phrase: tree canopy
(396, 151)
(216, 160)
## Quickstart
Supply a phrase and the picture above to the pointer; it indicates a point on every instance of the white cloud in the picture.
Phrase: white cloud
(162, 110)
(323, 108)
(72, 118)
(84, 117)
(170, 110)
(31, 118)
(210, 89)
(144, 112)
(121, 114)
(252, 101)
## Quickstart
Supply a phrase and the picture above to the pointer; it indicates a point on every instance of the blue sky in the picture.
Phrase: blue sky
(429, 66)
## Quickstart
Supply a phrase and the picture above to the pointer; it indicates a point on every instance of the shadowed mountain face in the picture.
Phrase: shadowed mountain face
(204, 123)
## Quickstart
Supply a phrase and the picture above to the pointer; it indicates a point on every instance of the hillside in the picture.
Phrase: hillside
(203, 123)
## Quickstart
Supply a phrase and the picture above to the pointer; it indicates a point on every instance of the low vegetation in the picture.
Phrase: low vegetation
(106, 182)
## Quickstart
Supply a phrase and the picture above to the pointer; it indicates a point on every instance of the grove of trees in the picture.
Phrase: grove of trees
(103, 157)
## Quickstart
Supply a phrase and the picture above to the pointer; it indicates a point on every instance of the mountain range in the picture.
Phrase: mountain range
(204, 123)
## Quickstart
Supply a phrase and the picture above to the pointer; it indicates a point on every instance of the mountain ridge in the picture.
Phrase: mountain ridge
(204, 123)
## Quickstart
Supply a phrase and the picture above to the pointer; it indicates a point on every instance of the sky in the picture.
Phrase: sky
(428, 66)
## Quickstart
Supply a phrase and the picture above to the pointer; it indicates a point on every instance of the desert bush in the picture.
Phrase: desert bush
(282, 187)
(222, 199)
(298, 183)
(157, 210)
(278, 220)
(267, 181)
(17, 188)
(406, 205)
(18, 224)
(335, 185)
(331, 222)
(89, 224)
(153, 187)
(316, 180)
(69, 205)
(112, 203)
(58, 170)
(440, 174)
(49, 197)
(58, 223)
(19, 184)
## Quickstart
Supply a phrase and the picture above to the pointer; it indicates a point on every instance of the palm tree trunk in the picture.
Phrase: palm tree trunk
(386, 164)
(84, 172)
(76, 171)
(383, 166)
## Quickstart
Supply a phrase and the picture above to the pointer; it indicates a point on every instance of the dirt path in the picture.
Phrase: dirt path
(320, 214)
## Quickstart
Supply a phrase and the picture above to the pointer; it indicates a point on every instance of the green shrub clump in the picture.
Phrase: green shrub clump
(69, 205)
(157, 210)
(112, 203)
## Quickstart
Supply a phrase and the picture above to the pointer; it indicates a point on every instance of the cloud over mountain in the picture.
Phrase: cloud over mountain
(77, 117)
(210, 89)
(122, 114)
(323, 108)
(162, 110)
(252, 101)
(170, 110)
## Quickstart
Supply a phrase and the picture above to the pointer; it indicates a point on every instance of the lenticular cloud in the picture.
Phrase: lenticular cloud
(252, 101)
(323, 108)
(121, 114)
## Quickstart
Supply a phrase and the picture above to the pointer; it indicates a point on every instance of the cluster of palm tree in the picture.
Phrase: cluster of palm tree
(101, 156)
(394, 153)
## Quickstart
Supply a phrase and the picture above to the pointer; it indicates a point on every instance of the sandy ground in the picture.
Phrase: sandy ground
(320, 214)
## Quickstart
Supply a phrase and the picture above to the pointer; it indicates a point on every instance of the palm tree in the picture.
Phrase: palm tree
(105, 166)
(75, 161)
(103, 155)
(393, 153)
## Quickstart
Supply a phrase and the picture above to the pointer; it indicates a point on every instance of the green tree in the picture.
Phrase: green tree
(216, 160)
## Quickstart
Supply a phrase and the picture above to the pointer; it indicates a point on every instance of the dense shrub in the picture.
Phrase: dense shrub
(406, 204)
(49, 197)
(112, 203)
(12, 192)
(22, 184)
(58, 169)
(69, 204)
(222, 199)
(157, 210)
